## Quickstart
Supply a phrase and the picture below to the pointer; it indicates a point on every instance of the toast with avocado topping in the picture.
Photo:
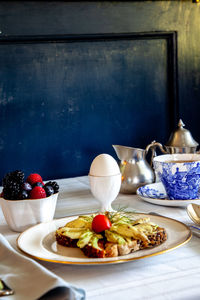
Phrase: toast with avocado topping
(120, 236)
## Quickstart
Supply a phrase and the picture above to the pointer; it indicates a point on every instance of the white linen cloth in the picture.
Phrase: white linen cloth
(29, 279)
(175, 275)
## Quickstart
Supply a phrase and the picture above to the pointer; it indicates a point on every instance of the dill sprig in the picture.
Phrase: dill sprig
(121, 211)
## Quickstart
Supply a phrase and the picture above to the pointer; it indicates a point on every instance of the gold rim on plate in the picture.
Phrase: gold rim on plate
(108, 260)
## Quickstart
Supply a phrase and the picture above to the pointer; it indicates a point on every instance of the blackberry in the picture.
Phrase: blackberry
(12, 191)
(5, 179)
(54, 185)
(17, 176)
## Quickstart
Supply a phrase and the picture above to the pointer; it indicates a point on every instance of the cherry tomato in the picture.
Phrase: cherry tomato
(100, 223)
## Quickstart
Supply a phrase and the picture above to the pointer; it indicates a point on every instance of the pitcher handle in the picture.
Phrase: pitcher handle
(153, 147)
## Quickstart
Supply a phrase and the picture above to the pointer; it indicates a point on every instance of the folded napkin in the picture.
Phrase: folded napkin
(30, 280)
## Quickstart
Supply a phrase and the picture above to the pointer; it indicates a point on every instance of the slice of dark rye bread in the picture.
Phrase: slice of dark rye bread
(109, 249)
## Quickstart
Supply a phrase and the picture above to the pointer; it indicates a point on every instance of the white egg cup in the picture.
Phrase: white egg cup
(105, 189)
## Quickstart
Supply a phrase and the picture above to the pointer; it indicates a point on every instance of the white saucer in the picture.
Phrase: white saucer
(155, 193)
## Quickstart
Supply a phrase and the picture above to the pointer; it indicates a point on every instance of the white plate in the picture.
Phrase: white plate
(39, 242)
(158, 189)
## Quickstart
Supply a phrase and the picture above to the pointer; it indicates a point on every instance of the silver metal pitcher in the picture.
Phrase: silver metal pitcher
(134, 168)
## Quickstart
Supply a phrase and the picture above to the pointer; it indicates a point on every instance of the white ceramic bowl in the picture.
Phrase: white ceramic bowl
(105, 189)
(21, 214)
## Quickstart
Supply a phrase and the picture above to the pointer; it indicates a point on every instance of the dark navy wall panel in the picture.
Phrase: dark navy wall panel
(63, 101)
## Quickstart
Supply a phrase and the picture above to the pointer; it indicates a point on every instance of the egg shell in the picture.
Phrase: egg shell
(104, 165)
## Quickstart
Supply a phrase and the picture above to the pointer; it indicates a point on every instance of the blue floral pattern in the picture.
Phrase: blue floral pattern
(179, 182)
(146, 191)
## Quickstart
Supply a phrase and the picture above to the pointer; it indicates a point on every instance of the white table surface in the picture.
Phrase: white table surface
(172, 275)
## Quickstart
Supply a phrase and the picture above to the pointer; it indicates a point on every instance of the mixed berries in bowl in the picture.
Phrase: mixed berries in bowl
(15, 187)
(27, 201)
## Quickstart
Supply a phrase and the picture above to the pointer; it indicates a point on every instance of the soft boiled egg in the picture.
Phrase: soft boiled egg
(104, 165)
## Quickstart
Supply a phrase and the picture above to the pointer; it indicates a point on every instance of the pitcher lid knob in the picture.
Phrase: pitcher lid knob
(181, 137)
(181, 124)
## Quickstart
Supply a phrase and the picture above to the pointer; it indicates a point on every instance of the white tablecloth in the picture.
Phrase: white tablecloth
(172, 275)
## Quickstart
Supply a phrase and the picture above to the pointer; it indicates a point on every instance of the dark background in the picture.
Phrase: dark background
(77, 77)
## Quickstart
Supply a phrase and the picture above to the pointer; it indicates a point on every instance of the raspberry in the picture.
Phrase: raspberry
(37, 192)
(33, 178)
